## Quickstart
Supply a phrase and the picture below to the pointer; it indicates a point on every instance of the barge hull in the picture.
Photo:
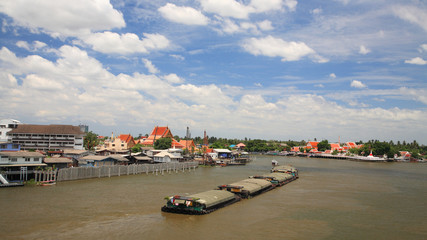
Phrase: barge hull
(202, 212)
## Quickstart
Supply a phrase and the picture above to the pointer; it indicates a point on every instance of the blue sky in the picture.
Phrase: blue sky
(270, 69)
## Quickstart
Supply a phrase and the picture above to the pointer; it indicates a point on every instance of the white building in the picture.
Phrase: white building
(18, 159)
(7, 125)
(47, 137)
(165, 156)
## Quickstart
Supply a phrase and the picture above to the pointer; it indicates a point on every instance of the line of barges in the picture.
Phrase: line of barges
(224, 195)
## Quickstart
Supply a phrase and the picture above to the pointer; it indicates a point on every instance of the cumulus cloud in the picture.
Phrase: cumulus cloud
(173, 78)
(79, 87)
(238, 10)
(227, 8)
(416, 61)
(184, 15)
(110, 42)
(265, 25)
(357, 84)
(36, 45)
(363, 50)
(276, 47)
(332, 75)
(63, 18)
(150, 66)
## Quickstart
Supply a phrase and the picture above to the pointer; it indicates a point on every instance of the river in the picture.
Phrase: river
(332, 199)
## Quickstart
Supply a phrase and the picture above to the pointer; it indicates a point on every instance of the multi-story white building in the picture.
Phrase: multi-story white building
(7, 125)
(47, 137)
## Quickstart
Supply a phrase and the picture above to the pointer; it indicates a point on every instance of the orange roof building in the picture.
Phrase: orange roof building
(127, 138)
(188, 144)
(161, 132)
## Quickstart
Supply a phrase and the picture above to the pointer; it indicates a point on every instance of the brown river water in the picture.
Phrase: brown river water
(332, 199)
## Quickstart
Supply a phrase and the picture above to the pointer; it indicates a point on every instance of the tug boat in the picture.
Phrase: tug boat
(248, 187)
(200, 203)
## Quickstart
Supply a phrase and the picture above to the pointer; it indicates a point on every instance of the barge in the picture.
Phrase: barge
(276, 178)
(286, 169)
(209, 201)
(200, 203)
(248, 187)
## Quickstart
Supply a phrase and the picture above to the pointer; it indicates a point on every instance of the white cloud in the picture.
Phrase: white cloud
(128, 43)
(291, 4)
(417, 61)
(266, 5)
(149, 65)
(258, 84)
(276, 47)
(265, 25)
(178, 57)
(31, 47)
(227, 8)
(357, 84)
(423, 47)
(413, 14)
(63, 18)
(184, 15)
(173, 78)
(363, 50)
(79, 88)
(332, 75)
(316, 11)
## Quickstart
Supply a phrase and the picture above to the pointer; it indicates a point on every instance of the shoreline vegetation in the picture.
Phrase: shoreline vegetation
(377, 148)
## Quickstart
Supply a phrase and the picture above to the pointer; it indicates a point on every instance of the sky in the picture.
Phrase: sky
(345, 70)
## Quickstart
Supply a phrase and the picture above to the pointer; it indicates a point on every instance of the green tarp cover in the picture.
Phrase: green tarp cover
(252, 185)
(278, 176)
(284, 168)
(212, 197)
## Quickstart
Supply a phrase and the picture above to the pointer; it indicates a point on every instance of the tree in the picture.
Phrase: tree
(323, 145)
(136, 148)
(163, 143)
(90, 141)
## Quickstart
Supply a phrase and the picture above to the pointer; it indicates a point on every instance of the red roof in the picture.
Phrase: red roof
(160, 131)
(312, 144)
(125, 137)
(187, 143)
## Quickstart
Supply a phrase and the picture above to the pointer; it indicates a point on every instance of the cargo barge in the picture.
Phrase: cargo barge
(209, 201)
(200, 203)
(248, 187)
(286, 169)
(276, 178)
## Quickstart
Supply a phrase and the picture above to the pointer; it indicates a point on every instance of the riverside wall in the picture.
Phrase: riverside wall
(77, 173)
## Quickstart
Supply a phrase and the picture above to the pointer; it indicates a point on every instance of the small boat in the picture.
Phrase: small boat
(200, 203)
(47, 183)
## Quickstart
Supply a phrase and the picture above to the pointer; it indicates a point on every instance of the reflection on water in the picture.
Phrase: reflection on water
(332, 199)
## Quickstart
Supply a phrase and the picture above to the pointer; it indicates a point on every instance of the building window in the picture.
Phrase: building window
(14, 159)
(36, 159)
(3, 158)
(27, 159)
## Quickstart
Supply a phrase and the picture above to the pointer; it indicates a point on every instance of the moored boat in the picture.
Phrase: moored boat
(200, 203)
